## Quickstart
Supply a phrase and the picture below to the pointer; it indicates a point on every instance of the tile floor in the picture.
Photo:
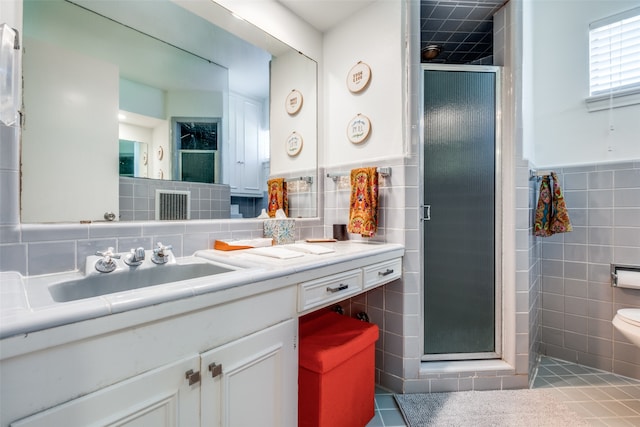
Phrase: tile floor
(601, 398)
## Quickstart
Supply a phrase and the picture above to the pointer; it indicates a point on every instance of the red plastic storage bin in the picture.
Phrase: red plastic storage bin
(336, 376)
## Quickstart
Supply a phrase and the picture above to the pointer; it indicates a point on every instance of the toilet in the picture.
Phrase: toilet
(627, 322)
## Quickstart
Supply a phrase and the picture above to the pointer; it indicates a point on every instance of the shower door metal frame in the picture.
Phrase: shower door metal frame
(425, 211)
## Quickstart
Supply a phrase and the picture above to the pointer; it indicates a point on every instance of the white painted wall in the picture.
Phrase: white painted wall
(139, 98)
(288, 72)
(135, 133)
(160, 168)
(275, 19)
(11, 14)
(183, 103)
(562, 131)
(381, 47)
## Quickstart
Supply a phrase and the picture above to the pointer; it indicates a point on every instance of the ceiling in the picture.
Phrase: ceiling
(325, 14)
(463, 28)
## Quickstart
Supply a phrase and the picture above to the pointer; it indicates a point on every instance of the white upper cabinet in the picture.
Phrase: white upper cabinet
(245, 147)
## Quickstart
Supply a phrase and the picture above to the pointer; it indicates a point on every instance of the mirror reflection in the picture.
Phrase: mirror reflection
(133, 158)
(126, 101)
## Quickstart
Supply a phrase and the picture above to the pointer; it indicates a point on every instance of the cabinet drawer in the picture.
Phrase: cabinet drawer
(382, 273)
(328, 289)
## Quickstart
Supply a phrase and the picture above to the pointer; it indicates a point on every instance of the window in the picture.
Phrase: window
(614, 58)
(196, 150)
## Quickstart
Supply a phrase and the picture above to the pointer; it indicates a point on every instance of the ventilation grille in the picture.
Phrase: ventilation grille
(172, 205)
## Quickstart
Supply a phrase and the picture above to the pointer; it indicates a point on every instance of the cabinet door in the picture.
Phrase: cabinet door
(161, 397)
(245, 175)
(58, 79)
(252, 381)
(252, 169)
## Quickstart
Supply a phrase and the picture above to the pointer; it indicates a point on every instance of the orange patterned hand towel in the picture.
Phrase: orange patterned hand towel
(363, 206)
(277, 196)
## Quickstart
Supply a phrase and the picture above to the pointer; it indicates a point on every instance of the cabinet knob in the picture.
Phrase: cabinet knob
(193, 377)
(215, 369)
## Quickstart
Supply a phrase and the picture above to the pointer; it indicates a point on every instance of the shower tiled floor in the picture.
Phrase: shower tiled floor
(601, 398)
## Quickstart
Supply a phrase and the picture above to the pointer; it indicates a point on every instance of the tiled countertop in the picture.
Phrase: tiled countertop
(27, 307)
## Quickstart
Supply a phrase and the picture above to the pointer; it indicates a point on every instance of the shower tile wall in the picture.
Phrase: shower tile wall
(578, 301)
(530, 246)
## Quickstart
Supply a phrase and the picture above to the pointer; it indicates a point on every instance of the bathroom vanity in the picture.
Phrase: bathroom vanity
(216, 350)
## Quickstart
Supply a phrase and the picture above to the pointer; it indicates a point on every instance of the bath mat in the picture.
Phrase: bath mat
(508, 408)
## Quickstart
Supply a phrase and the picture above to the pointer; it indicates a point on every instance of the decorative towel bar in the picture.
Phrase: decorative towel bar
(307, 179)
(384, 172)
(537, 174)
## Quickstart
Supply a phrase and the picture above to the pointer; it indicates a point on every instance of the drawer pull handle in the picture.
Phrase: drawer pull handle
(385, 273)
(342, 287)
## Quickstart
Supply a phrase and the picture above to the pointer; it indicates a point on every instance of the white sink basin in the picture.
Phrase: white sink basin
(129, 278)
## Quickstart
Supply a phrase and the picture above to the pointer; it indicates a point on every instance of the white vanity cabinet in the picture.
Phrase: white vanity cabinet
(205, 366)
(221, 358)
(214, 388)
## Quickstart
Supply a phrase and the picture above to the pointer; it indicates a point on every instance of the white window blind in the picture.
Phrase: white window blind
(614, 53)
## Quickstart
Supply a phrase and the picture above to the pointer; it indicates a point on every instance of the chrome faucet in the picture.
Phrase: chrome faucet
(106, 264)
(160, 254)
(135, 257)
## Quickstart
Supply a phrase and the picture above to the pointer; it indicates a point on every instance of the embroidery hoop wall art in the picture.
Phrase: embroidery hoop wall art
(293, 102)
(294, 144)
(359, 77)
(359, 129)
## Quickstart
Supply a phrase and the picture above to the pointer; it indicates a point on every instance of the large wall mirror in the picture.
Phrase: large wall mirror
(127, 101)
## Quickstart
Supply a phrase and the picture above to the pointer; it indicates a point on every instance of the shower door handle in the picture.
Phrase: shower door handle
(426, 212)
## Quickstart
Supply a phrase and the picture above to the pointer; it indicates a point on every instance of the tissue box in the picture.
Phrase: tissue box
(282, 231)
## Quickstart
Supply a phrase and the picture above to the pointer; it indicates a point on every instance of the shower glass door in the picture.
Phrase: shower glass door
(460, 216)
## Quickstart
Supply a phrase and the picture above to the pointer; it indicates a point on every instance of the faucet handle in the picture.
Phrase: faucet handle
(108, 253)
(135, 257)
(159, 255)
(161, 248)
(106, 263)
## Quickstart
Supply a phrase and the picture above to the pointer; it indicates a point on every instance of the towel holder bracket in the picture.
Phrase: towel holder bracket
(537, 174)
(307, 179)
(383, 172)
